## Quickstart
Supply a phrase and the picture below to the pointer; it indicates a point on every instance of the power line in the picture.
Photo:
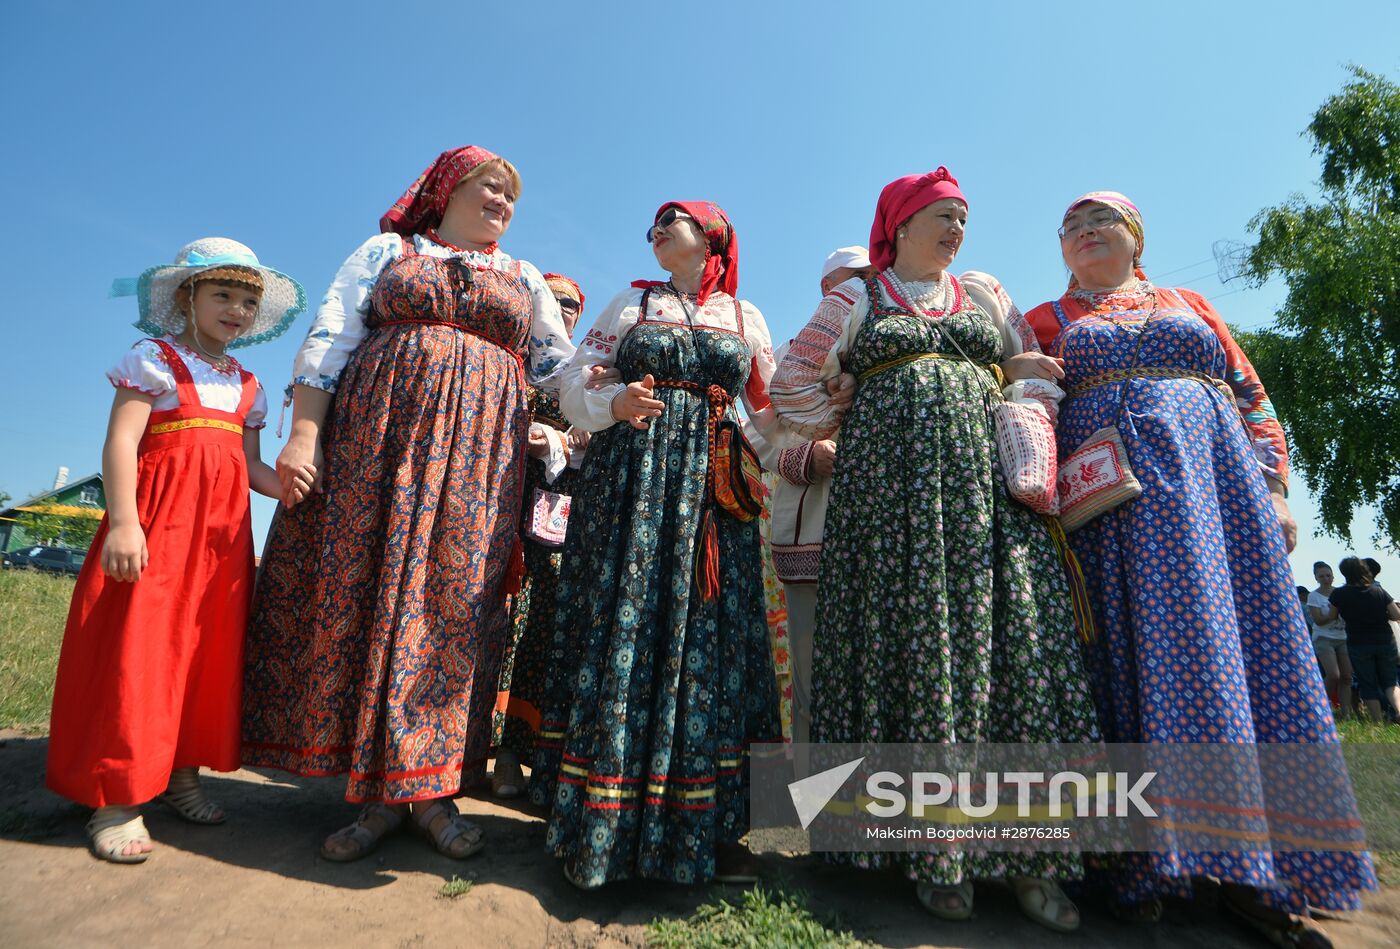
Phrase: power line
(1208, 260)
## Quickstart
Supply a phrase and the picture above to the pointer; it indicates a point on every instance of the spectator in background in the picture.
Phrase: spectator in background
(1367, 610)
(1329, 638)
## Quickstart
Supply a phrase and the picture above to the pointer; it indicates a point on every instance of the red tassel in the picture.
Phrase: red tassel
(515, 573)
(707, 560)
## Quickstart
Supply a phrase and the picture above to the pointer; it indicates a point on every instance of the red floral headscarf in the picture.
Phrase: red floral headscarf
(899, 200)
(721, 261)
(422, 205)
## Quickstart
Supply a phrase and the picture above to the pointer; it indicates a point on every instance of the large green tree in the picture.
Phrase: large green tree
(1330, 359)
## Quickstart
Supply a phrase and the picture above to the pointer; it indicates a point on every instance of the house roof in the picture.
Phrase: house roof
(40, 498)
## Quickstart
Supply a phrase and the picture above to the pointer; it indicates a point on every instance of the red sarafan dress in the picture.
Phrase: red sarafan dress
(150, 675)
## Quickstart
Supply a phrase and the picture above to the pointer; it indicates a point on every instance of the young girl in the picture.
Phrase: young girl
(149, 678)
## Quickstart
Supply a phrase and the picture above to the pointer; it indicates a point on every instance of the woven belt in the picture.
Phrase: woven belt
(551, 421)
(1149, 372)
(992, 368)
(179, 425)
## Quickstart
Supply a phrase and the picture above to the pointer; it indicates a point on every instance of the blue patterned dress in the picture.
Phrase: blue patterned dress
(1201, 639)
(655, 693)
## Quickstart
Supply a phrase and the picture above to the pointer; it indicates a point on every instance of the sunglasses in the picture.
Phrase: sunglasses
(568, 305)
(668, 217)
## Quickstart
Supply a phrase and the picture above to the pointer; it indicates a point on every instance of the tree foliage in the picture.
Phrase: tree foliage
(60, 524)
(1329, 361)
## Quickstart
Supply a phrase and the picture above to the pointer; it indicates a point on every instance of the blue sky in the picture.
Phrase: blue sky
(134, 128)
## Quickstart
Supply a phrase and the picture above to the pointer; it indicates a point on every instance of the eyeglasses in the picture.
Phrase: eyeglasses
(568, 305)
(668, 217)
(1103, 217)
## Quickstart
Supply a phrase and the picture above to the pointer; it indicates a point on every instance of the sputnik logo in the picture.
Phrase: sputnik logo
(811, 794)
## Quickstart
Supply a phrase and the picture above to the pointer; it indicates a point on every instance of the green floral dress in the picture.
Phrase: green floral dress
(943, 610)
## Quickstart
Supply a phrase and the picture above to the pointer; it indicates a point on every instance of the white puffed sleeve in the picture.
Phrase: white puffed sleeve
(144, 369)
(549, 346)
(1017, 337)
(761, 425)
(257, 415)
(339, 326)
(591, 409)
(816, 356)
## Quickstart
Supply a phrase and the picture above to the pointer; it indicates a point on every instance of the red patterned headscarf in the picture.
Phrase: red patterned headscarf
(722, 245)
(899, 200)
(558, 283)
(422, 205)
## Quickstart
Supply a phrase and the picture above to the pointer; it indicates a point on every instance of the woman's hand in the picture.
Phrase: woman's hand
(1033, 366)
(299, 469)
(601, 376)
(1286, 522)
(823, 459)
(635, 405)
(577, 439)
(124, 553)
(842, 390)
(538, 445)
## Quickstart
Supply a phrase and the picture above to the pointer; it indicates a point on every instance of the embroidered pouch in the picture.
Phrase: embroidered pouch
(738, 476)
(549, 518)
(1026, 451)
(1095, 478)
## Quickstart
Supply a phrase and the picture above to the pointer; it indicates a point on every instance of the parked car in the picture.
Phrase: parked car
(48, 559)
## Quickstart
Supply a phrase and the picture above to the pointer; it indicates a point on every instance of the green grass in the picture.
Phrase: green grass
(761, 918)
(1374, 781)
(33, 608)
(454, 888)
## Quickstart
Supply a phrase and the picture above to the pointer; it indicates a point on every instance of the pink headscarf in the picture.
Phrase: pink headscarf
(1132, 217)
(899, 200)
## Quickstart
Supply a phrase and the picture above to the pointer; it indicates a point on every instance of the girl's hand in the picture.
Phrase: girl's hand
(1033, 366)
(124, 553)
(299, 469)
(635, 405)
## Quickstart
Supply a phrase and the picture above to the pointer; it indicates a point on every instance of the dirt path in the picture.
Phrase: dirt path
(258, 881)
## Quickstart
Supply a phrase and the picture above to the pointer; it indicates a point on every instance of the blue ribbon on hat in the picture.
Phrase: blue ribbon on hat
(126, 286)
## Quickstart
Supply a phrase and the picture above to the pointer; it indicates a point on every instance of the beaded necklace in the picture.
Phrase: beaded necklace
(432, 235)
(1100, 302)
(931, 302)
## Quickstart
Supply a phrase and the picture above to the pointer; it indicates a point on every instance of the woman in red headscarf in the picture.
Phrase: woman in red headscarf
(380, 615)
(661, 671)
(944, 615)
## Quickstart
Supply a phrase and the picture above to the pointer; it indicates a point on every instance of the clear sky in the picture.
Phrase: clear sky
(134, 128)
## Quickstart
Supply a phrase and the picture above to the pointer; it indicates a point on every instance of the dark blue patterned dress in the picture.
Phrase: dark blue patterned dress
(655, 693)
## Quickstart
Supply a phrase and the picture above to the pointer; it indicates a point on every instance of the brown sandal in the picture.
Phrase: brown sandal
(1282, 929)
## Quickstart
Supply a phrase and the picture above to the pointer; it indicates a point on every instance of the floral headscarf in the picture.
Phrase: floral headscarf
(421, 207)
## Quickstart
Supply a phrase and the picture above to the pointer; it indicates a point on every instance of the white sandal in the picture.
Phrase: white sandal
(185, 797)
(112, 828)
(1051, 900)
(931, 895)
(453, 829)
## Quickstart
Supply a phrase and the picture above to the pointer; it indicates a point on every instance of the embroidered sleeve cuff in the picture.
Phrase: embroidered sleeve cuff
(793, 462)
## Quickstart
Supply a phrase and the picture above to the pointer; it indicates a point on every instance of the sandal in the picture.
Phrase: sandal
(1146, 913)
(1282, 929)
(375, 822)
(454, 827)
(953, 903)
(111, 829)
(185, 797)
(1044, 902)
(507, 780)
(735, 863)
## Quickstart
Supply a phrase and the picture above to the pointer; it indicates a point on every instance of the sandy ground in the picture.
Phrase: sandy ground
(257, 880)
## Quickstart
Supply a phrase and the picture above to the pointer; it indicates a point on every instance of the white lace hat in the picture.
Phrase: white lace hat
(282, 300)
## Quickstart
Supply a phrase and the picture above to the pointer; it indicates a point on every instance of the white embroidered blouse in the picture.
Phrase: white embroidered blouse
(591, 409)
(144, 369)
(339, 326)
(817, 354)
